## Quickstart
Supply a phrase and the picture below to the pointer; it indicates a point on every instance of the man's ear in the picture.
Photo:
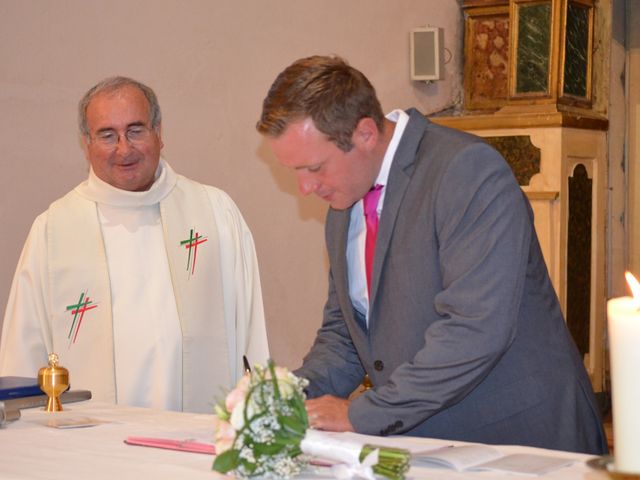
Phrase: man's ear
(365, 136)
(158, 131)
(84, 143)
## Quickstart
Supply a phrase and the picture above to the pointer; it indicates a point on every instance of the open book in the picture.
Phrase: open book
(484, 457)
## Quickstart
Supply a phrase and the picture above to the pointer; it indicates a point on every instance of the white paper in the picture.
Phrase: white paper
(73, 422)
(459, 458)
(526, 463)
(483, 457)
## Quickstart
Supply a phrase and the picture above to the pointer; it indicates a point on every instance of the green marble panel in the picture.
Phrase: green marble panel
(576, 60)
(522, 156)
(533, 48)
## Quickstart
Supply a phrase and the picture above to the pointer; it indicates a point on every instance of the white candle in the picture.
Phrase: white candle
(624, 348)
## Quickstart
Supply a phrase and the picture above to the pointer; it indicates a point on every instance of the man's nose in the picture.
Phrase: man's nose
(124, 145)
(306, 185)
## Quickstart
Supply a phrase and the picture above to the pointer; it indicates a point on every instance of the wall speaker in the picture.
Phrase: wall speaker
(427, 48)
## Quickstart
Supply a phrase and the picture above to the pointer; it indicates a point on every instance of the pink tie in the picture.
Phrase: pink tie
(370, 202)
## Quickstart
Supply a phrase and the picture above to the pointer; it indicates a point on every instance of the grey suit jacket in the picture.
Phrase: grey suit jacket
(466, 339)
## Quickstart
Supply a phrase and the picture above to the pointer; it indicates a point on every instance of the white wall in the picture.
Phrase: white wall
(211, 63)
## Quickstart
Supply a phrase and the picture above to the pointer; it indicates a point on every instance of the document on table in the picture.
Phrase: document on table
(474, 457)
(484, 457)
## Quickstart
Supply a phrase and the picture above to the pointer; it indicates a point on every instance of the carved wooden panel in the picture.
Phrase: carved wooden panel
(486, 68)
(522, 156)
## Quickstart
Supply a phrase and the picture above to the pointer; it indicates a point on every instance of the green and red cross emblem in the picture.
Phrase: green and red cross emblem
(78, 310)
(191, 244)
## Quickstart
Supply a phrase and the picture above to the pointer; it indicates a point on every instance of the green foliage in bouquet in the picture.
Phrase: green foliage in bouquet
(268, 415)
(261, 425)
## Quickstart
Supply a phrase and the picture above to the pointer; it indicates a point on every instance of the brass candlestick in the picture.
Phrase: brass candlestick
(53, 380)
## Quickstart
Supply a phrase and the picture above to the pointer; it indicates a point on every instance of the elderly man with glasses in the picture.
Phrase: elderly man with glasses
(145, 283)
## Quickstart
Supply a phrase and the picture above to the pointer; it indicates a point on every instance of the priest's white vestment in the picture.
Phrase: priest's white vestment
(148, 298)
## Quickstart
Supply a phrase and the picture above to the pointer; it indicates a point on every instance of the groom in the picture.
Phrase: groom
(448, 306)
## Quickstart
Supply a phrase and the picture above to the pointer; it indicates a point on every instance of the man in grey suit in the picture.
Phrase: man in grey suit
(454, 319)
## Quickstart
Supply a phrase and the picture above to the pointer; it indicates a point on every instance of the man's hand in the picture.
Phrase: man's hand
(329, 413)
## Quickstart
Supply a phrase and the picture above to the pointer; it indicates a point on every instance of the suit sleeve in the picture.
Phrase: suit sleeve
(332, 366)
(483, 231)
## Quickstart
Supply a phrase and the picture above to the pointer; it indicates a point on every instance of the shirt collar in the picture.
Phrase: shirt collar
(97, 190)
(401, 118)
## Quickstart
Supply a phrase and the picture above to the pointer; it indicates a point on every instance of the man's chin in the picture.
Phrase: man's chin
(340, 205)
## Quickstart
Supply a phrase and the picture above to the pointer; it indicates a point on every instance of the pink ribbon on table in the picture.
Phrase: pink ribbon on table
(181, 445)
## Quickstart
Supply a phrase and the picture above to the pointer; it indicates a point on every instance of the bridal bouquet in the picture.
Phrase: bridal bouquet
(262, 430)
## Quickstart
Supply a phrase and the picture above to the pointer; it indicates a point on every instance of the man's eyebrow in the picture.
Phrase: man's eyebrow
(105, 129)
(112, 129)
(137, 124)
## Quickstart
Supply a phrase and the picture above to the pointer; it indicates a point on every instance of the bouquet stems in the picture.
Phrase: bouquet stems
(393, 463)
(390, 462)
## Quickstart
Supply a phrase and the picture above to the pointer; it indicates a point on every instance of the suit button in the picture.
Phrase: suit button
(378, 365)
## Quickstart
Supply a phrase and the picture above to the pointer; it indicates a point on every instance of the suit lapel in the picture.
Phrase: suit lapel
(399, 178)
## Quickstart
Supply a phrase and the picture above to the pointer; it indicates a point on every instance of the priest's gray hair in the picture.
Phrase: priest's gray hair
(112, 84)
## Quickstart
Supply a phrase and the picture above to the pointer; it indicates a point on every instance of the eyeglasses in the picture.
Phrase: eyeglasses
(135, 135)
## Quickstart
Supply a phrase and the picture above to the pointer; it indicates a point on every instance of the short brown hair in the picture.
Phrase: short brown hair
(335, 95)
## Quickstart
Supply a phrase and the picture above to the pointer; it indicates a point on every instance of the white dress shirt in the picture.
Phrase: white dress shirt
(358, 291)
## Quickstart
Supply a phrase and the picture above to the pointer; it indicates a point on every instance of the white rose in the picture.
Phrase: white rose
(237, 415)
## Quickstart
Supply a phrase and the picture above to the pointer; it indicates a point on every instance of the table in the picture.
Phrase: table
(29, 450)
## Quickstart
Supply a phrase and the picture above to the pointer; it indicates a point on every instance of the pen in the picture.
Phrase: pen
(247, 367)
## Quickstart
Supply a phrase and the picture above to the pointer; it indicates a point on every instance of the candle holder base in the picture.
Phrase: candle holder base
(607, 464)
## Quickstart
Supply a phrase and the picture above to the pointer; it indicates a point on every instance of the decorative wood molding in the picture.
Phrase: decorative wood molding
(483, 3)
(541, 195)
(523, 120)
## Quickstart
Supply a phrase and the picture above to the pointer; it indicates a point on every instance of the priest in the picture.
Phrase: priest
(144, 282)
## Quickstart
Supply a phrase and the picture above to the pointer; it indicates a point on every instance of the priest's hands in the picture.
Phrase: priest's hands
(329, 413)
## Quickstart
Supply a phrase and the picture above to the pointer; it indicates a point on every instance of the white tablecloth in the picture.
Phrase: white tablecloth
(31, 450)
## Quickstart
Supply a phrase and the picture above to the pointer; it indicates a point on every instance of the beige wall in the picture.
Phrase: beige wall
(633, 133)
(616, 176)
(210, 63)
